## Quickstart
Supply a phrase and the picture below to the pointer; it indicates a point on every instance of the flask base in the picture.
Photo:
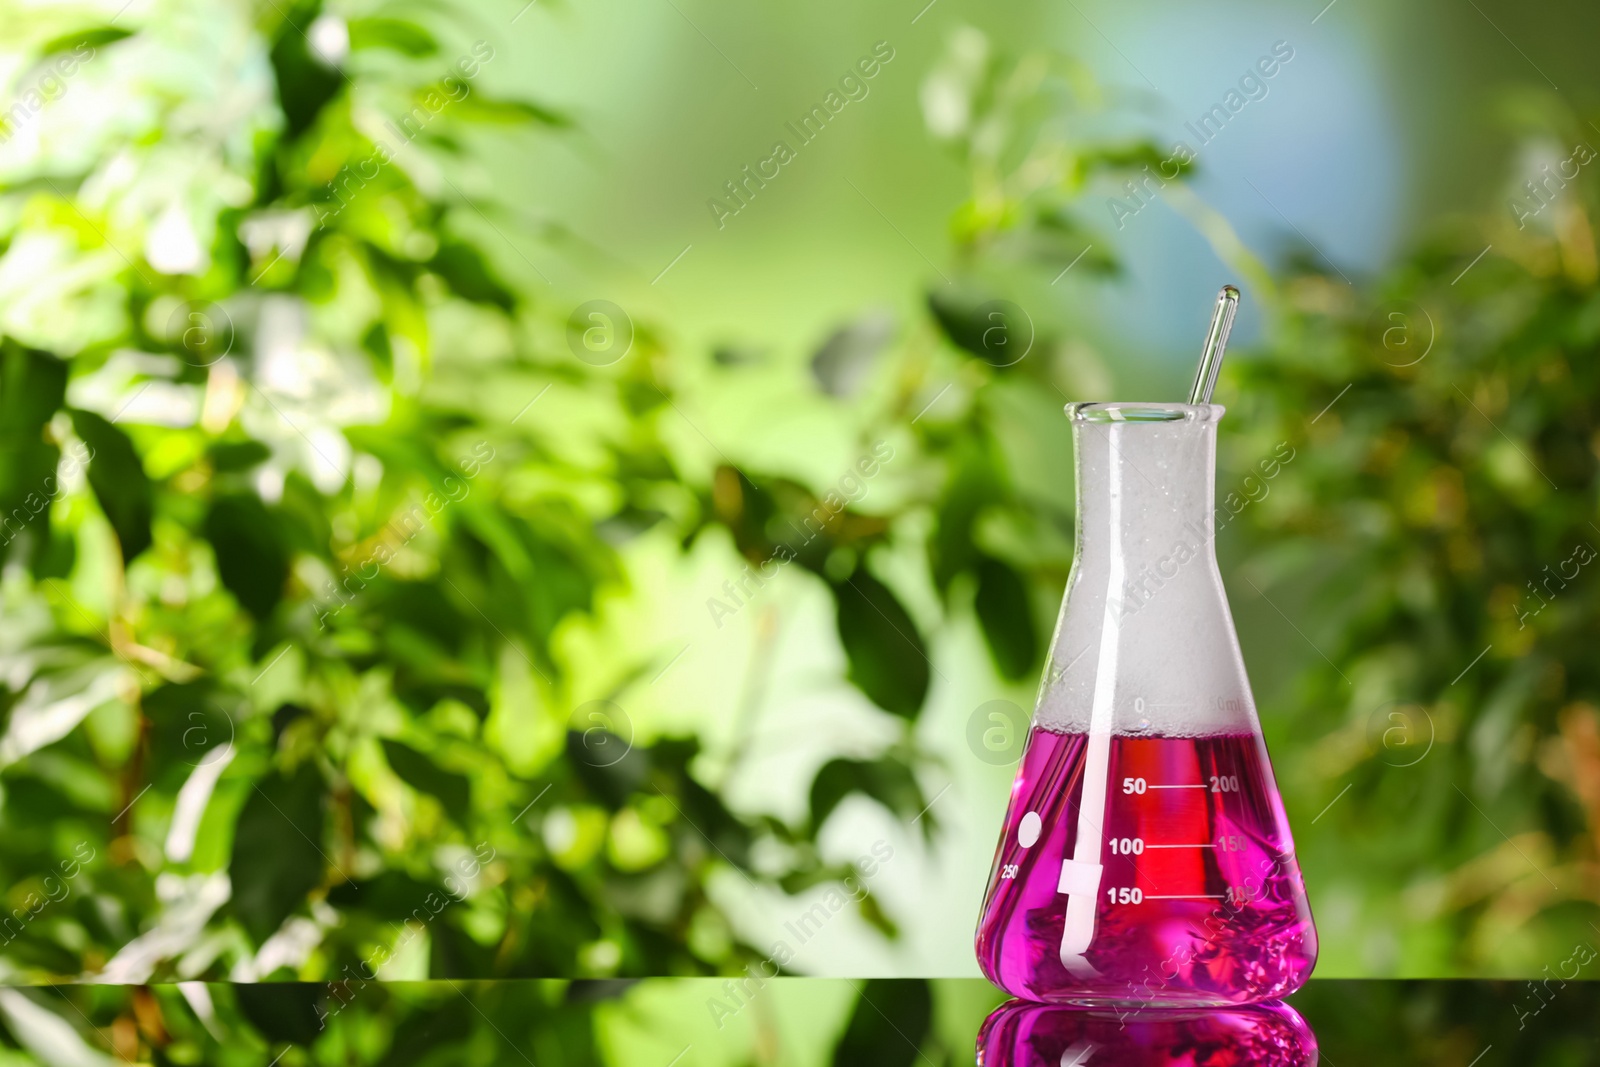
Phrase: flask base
(1197, 898)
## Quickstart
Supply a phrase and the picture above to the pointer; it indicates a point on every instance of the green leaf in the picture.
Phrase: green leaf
(999, 332)
(392, 896)
(479, 107)
(251, 556)
(452, 790)
(306, 83)
(1057, 239)
(535, 574)
(975, 481)
(606, 763)
(55, 557)
(1006, 617)
(229, 456)
(845, 360)
(189, 725)
(32, 386)
(465, 270)
(117, 477)
(91, 38)
(888, 780)
(887, 656)
(872, 912)
(277, 852)
(456, 955)
(398, 35)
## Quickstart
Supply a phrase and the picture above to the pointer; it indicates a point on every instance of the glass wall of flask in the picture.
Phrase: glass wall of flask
(1145, 857)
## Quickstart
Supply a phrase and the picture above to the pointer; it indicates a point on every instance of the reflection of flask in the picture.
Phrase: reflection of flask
(1145, 857)
(1038, 1035)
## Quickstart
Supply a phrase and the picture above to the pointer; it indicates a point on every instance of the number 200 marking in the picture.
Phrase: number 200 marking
(1225, 783)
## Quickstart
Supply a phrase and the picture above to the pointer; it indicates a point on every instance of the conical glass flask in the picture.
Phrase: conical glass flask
(1145, 857)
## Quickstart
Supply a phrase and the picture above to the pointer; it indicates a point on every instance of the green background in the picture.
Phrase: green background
(399, 590)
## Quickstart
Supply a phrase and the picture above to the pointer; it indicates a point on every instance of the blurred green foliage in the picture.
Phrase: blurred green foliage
(282, 677)
(1434, 532)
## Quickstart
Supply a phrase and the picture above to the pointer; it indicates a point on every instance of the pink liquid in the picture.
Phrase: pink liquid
(1037, 1035)
(1200, 901)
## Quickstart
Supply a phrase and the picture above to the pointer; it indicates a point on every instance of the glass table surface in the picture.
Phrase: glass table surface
(678, 1022)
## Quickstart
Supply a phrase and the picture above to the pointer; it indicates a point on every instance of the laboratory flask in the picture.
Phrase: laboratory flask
(1145, 858)
(1019, 1034)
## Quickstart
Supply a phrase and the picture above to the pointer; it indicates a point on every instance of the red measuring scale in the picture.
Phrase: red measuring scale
(1145, 857)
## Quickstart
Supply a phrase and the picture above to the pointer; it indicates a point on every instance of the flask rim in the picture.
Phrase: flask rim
(1142, 411)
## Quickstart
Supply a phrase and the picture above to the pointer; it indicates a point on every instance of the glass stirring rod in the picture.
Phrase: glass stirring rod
(1205, 375)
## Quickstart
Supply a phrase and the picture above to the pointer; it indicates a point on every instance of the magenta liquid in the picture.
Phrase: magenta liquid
(1200, 901)
(1038, 1035)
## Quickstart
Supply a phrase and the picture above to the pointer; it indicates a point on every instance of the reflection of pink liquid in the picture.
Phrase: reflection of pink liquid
(1036, 1035)
(1200, 901)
